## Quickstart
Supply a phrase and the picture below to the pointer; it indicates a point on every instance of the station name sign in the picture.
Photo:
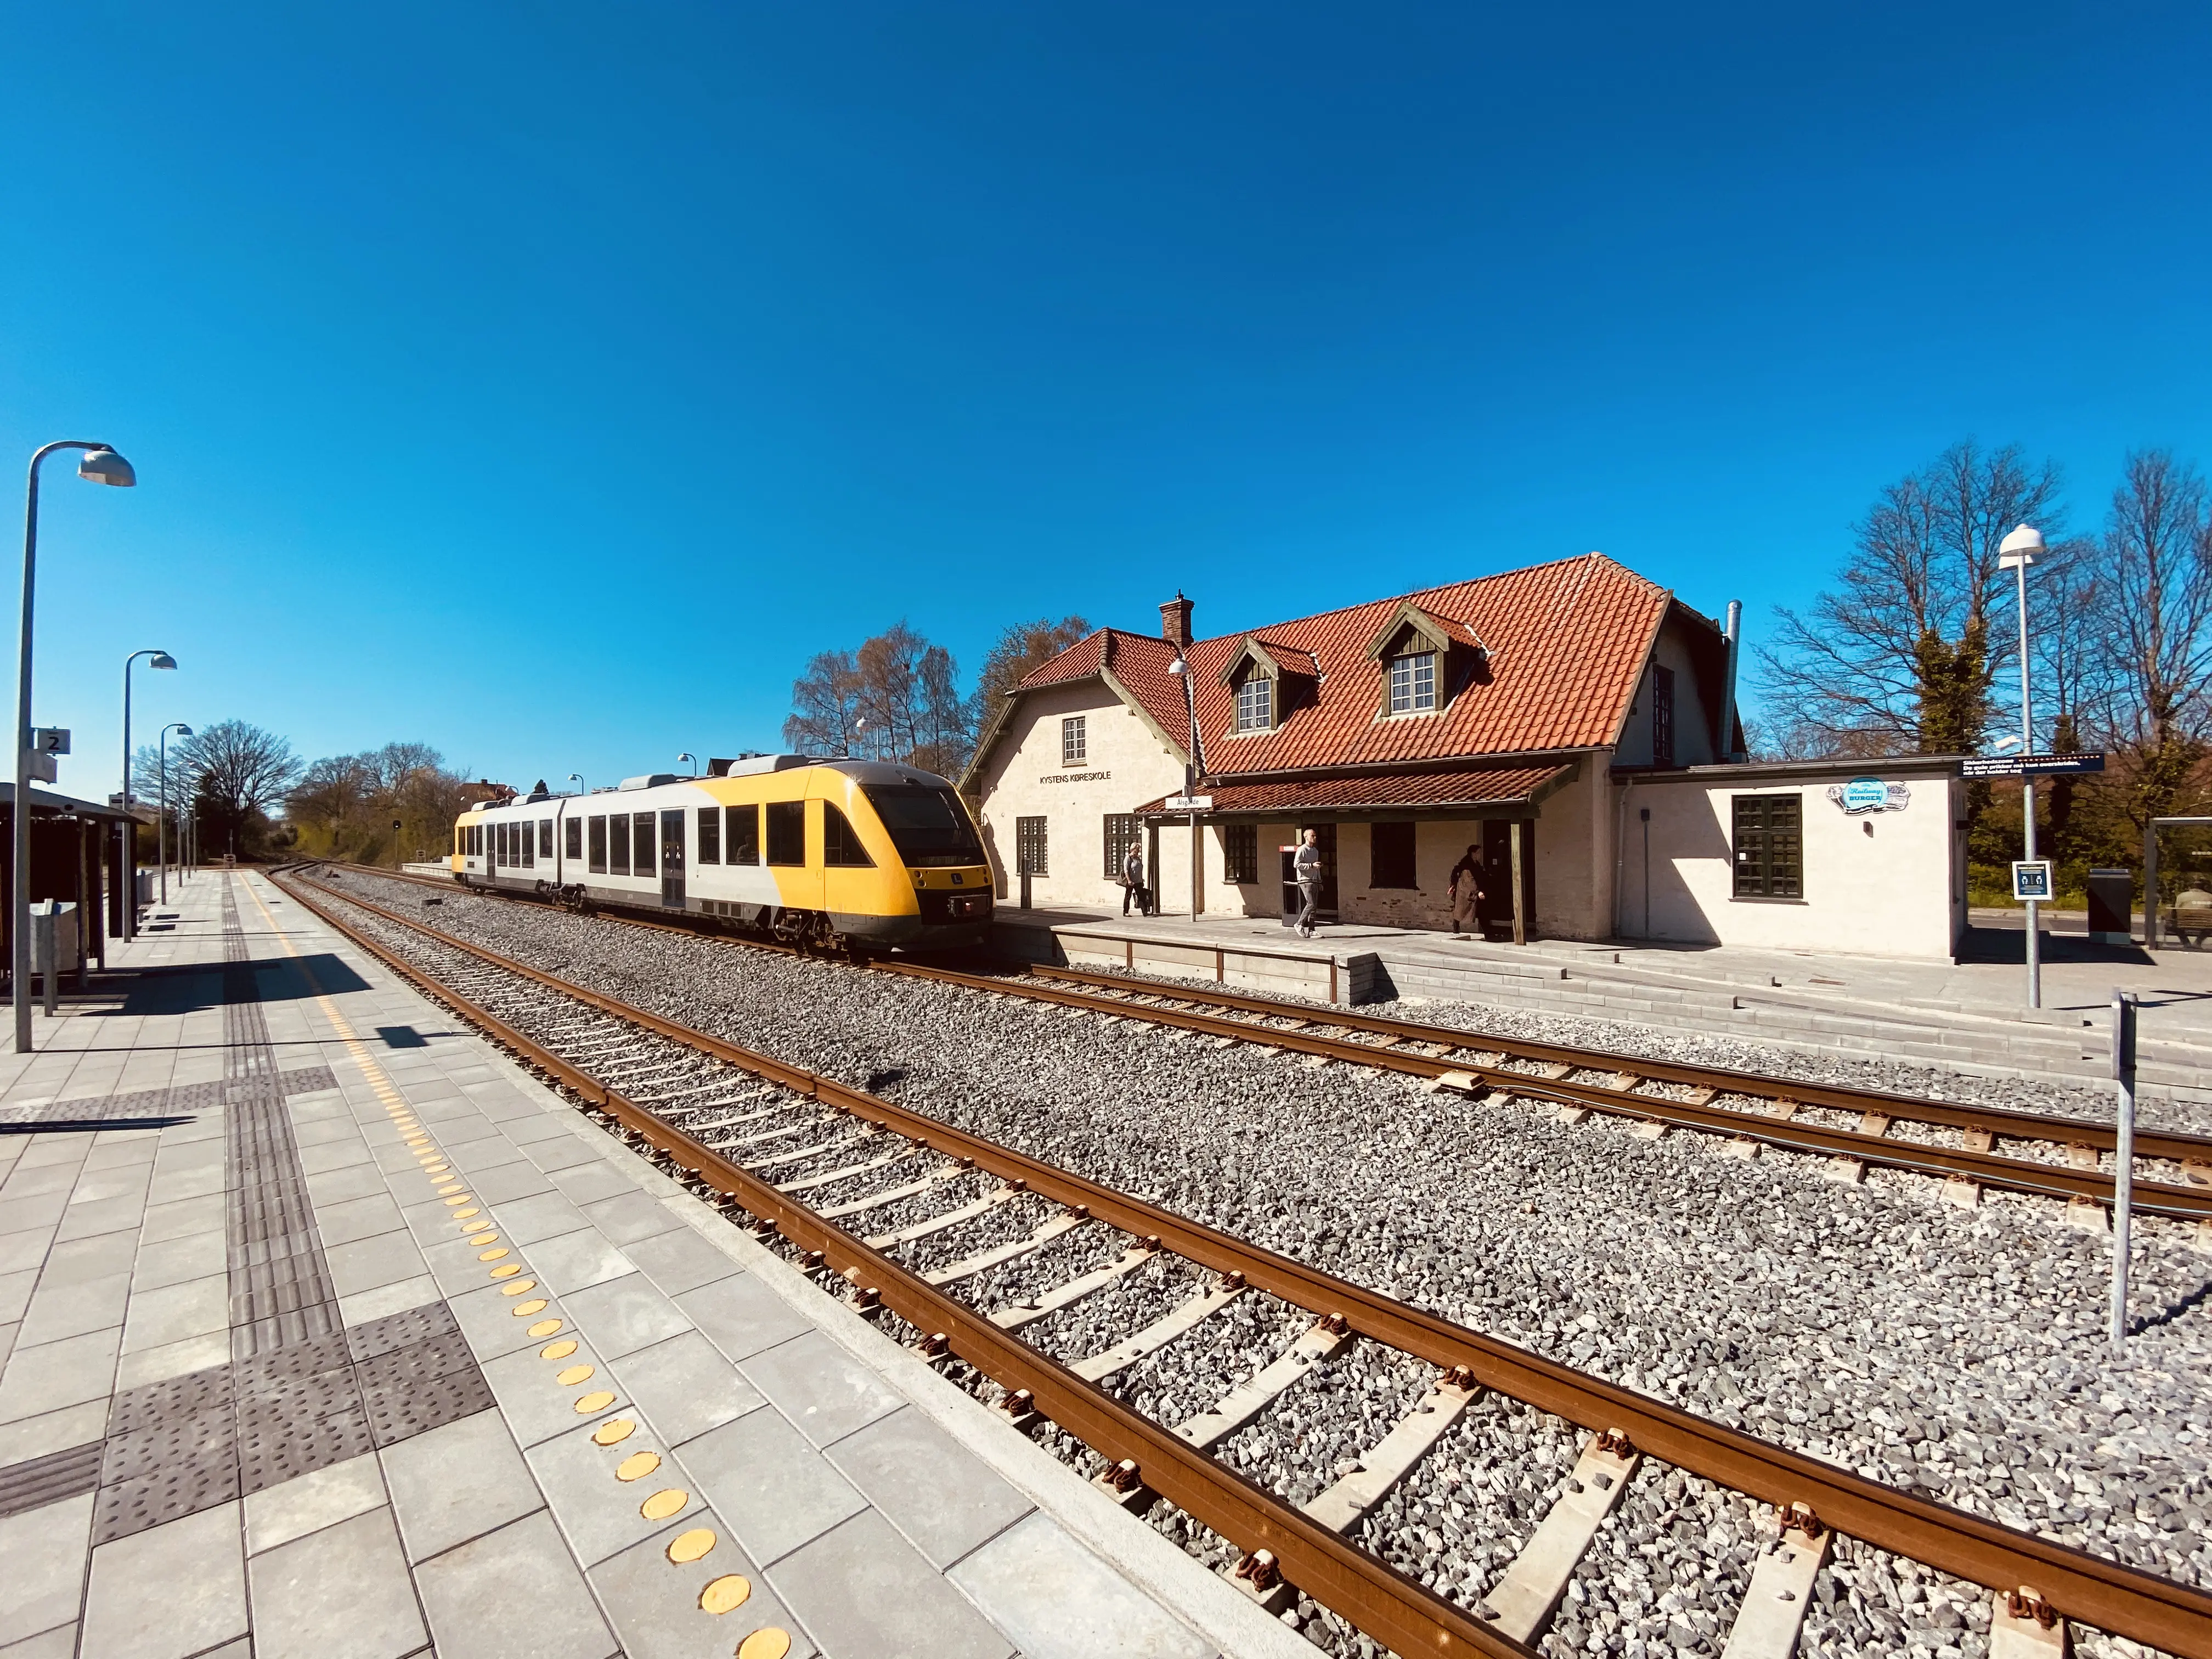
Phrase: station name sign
(2028, 766)
(1075, 777)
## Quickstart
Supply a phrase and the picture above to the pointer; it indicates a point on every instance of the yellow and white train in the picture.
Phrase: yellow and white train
(814, 852)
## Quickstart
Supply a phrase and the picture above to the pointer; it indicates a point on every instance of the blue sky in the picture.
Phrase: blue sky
(549, 382)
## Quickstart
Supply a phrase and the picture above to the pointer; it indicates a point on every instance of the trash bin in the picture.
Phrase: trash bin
(2111, 907)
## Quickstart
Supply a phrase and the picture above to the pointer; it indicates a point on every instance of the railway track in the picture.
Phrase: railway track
(757, 1132)
(1967, 1148)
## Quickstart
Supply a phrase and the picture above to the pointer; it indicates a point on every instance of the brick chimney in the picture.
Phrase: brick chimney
(1174, 621)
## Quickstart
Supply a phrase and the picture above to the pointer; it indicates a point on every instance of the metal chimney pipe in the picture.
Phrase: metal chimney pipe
(1734, 634)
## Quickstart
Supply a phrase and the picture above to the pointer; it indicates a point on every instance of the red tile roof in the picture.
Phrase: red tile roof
(1470, 786)
(1566, 643)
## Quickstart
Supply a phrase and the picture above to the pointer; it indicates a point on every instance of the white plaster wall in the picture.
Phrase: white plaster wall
(1880, 884)
(1140, 768)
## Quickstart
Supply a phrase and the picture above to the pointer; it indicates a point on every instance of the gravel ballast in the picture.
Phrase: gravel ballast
(1959, 1353)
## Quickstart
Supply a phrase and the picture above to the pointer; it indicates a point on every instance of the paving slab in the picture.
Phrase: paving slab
(356, 1351)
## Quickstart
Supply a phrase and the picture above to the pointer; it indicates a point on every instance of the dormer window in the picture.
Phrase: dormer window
(1412, 682)
(1255, 704)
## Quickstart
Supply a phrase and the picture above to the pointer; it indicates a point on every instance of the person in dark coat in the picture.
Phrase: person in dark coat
(1466, 892)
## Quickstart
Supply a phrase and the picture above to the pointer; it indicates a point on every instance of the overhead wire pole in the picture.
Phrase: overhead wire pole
(101, 464)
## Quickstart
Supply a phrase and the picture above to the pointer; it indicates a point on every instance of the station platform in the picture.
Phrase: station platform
(1968, 1014)
(326, 1330)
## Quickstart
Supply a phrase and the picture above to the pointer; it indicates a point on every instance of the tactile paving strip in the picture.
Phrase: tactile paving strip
(183, 1100)
(177, 1446)
(38, 1481)
(280, 1285)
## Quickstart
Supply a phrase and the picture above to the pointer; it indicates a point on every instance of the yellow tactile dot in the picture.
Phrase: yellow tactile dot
(437, 1169)
(458, 1198)
(769, 1643)
(688, 1547)
(614, 1431)
(729, 1592)
(637, 1466)
(543, 1327)
(535, 1305)
(508, 1271)
(560, 1350)
(664, 1502)
(464, 1214)
(598, 1401)
(516, 1287)
(474, 1227)
(483, 1238)
(574, 1375)
(491, 1255)
(417, 1138)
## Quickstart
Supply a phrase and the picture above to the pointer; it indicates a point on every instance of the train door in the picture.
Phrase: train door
(672, 857)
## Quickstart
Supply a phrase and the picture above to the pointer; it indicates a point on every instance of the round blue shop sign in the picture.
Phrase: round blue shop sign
(1865, 795)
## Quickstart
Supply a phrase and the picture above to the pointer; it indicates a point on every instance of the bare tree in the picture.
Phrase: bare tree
(1905, 654)
(236, 771)
(2154, 615)
(1019, 650)
(825, 706)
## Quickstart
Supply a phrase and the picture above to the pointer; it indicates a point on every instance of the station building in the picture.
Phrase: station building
(1572, 717)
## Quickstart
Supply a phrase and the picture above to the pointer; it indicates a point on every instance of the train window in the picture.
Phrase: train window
(929, 827)
(786, 832)
(647, 844)
(710, 835)
(499, 847)
(840, 842)
(545, 838)
(618, 843)
(526, 840)
(742, 825)
(574, 837)
(598, 865)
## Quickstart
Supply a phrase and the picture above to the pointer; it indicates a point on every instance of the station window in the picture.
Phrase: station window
(840, 842)
(1240, 854)
(1029, 846)
(646, 858)
(574, 836)
(1770, 847)
(599, 859)
(741, 827)
(1412, 682)
(618, 843)
(786, 832)
(1073, 745)
(710, 835)
(1121, 836)
(1390, 848)
(1255, 704)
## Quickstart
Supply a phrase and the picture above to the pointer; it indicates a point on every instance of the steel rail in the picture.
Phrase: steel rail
(1374, 1597)
(2186, 1202)
(2180, 1146)
(2106, 1595)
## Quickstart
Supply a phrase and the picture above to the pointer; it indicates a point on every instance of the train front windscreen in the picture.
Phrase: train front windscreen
(930, 827)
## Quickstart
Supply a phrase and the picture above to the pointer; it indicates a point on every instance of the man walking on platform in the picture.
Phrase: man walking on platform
(1306, 864)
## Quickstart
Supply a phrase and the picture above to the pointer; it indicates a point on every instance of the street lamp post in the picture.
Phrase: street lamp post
(1193, 766)
(163, 833)
(577, 778)
(694, 759)
(101, 464)
(2016, 553)
(160, 659)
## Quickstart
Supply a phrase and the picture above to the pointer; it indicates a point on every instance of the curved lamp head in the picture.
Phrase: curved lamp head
(106, 466)
(1178, 667)
(687, 756)
(575, 777)
(2019, 548)
(160, 659)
